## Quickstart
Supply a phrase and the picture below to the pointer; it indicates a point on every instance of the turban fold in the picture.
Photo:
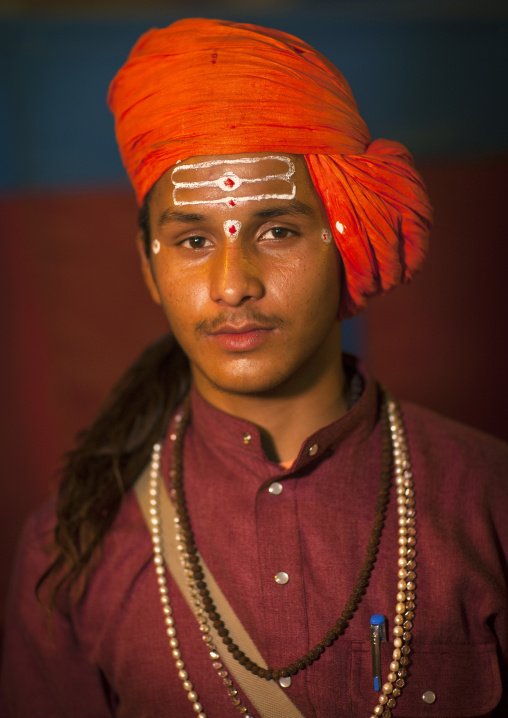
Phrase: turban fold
(210, 87)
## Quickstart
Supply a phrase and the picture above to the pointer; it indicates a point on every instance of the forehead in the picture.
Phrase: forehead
(227, 181)
(235, 180)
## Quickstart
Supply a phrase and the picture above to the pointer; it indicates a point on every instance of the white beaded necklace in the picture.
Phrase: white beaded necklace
(405, 597)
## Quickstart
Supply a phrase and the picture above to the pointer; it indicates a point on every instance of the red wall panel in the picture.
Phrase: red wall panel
(442, 341)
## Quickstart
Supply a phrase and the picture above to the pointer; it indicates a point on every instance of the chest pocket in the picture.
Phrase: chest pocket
(464, 679)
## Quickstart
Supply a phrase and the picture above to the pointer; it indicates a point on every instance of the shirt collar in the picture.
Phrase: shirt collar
(215, 427)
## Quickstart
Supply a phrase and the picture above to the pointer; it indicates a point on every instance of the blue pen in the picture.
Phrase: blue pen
(377, 634)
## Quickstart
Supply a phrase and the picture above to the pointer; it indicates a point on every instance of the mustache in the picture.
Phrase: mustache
(247, 314)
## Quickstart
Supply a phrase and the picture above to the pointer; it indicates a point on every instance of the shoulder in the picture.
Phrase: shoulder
(40, 523)
(35, 547)
(126, 546)
(38, 530)
(460, 477)
(449, 443)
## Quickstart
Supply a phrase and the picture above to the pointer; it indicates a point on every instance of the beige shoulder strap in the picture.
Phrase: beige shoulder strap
(266, 696)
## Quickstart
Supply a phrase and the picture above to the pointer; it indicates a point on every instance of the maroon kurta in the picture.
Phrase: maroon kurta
(108, 654)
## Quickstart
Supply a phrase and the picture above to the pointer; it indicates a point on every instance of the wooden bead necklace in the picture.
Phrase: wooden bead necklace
(394, 459)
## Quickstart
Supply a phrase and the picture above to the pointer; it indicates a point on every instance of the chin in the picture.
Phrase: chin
(246, 382)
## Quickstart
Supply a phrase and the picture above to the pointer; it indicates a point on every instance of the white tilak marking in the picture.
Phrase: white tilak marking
(326, 237)
(156, 246)
(232, 228)
(231, 181)
(340, 227)
(228, 182)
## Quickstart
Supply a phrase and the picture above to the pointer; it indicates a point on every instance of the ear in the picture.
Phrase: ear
(146, 269)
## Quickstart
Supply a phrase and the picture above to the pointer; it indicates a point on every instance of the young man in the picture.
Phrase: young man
(252, 513)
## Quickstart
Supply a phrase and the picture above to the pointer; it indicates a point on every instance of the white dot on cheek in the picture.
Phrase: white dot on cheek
(156, 246)
(340, 227)
(325, 236)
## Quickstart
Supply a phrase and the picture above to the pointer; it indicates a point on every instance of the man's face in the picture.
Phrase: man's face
(245, 267)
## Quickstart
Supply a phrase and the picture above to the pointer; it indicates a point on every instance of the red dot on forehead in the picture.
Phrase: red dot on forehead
(229, 182)
(232, 230)
(232, 203)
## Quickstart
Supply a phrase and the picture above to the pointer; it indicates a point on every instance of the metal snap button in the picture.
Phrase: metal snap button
(429, 697)
(281, 578)
(276, 488)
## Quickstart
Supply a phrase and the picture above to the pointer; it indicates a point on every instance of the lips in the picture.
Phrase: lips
(244, 328)
(240, 337)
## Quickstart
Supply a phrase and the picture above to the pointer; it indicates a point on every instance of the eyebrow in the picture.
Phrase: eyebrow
(174, 215)
(294, 208)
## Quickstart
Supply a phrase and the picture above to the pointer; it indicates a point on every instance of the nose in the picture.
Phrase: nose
(235, 275)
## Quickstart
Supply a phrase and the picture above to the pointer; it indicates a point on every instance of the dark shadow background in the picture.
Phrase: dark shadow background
(74, 314)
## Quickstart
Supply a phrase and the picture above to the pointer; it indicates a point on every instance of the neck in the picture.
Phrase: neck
(288, 414)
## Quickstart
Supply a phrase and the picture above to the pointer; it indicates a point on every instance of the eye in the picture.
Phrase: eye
(196, 242)
(277, 233)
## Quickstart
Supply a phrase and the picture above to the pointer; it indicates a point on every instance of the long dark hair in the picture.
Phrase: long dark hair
(110, 455)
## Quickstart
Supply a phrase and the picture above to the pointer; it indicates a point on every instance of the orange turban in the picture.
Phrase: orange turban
(211, 87)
